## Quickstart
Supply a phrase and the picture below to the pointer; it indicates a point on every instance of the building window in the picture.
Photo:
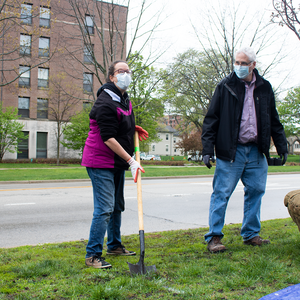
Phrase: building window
(175, 150)
(44, 46)
(41, 144)
(87, 83)
(174, 140)
(297, 145)
(89, 24)
(153, 148)
(26, 14)
(88, 54)
(23, 107)
(44, 17)
(43, 78)
(167, 148)
(42, 108)
(24, 79)
(23, 146)
(167, 136)
(25, 44)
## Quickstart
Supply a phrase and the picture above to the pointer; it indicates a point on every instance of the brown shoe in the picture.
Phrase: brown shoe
(120, 251)
(97, 262)
(256, 241)
(215, 245)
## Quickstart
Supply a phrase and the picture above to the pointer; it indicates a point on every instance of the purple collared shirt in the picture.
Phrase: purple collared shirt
(248, 126)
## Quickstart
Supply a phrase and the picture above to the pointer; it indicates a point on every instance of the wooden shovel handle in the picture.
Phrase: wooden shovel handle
(139, 182)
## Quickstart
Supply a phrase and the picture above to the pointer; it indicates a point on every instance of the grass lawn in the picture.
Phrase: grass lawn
(186, 270)
(41, 172)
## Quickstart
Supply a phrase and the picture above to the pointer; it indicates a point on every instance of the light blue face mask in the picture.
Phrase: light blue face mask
(241, 71)
(124, 80)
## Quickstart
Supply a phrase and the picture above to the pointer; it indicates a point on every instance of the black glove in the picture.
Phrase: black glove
(283, 156)
(206, 159)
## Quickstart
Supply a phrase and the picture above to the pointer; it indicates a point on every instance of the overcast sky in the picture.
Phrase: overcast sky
(176, 33)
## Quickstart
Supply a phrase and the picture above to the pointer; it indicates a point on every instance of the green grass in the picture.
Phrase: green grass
(186, 270)
(79, 172)
(35, 166)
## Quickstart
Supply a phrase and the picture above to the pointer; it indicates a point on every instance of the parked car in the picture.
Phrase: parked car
(142, 156)
(157, 157)
(150, 157)
(194, 157)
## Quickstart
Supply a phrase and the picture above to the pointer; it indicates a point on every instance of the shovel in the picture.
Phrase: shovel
(140, 267)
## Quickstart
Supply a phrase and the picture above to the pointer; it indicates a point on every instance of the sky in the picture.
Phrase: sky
(176, 33)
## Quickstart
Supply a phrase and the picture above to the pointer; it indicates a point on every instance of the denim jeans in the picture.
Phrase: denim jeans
(108, 190)
(251, 167)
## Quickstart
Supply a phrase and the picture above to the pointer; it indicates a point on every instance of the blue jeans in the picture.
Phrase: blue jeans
(251, 167)
(108, 190)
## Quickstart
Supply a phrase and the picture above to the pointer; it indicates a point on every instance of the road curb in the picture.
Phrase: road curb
(127, 178)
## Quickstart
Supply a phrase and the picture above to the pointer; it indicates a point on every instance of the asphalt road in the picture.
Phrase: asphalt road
(38, 213)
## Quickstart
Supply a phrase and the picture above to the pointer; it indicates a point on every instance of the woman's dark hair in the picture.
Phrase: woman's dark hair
(111, 69)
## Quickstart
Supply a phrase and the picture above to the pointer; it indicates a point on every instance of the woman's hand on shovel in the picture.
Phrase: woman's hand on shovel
(134, 167)
(143, 134)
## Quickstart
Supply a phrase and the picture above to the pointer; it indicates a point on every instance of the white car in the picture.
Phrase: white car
(150, 157)
(195, 157)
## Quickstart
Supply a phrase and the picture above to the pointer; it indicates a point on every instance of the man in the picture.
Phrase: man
(239, 124)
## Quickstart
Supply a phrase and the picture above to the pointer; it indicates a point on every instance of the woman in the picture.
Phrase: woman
(107, 154)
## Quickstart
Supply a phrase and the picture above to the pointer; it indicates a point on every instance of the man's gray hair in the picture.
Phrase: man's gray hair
(248, 51)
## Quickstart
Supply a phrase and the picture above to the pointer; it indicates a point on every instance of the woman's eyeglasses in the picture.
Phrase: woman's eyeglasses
(121, 71)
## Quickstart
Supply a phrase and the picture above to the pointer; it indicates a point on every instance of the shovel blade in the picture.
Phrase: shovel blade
(140, 268)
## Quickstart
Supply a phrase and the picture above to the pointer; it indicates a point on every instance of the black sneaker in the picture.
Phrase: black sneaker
(120, 251)
(97, 262)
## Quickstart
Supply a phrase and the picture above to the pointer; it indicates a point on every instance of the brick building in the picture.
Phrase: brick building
(59, 49)
(172, 120)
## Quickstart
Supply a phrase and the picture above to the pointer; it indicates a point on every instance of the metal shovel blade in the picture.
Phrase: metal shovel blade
(140, 267)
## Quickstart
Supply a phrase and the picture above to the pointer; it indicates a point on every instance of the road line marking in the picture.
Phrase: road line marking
(49, 188)
(11, 204)
(176, 195)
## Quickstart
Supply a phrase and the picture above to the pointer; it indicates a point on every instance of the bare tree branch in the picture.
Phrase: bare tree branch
(287, 14)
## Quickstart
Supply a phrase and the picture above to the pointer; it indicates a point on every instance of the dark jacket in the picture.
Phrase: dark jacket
(109, 118)
(221, 124)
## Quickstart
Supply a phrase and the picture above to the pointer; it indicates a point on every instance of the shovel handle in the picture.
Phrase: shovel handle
(139, 182)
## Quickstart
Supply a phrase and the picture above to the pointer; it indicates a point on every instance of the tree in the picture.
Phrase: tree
(14, 16)
(76, 131)
(102, 34)
(289, 112)
(287, 14)
(63, 100)
(10, 130)
(191, 143)
(188, 86)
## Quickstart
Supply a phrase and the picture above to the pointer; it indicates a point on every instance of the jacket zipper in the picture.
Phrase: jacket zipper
(235, 95)
(231, 91)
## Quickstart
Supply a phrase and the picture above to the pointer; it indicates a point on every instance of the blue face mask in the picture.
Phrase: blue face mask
(241, 71)
(124, 80)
